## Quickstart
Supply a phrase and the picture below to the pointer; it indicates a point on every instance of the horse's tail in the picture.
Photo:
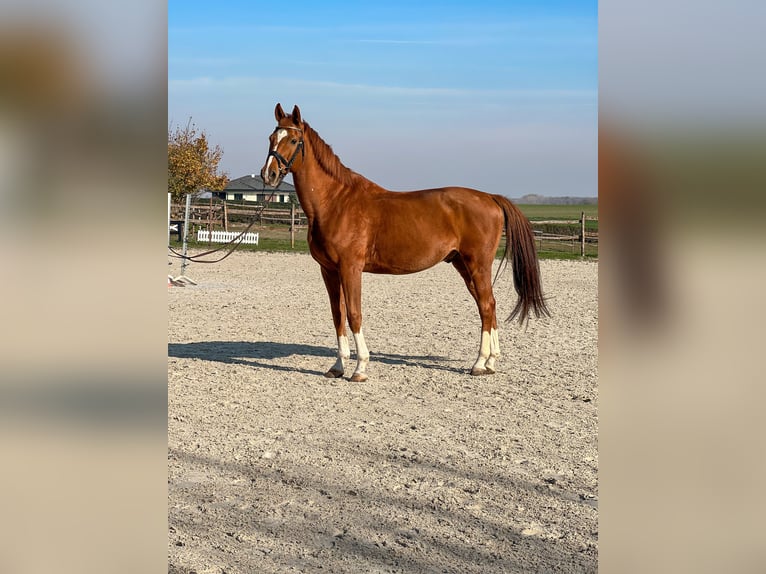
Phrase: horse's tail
(520, 251)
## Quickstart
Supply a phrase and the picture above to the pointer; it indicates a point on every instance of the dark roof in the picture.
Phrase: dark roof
(253, 182)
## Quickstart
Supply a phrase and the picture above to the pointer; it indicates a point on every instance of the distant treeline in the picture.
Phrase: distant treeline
(534, 199)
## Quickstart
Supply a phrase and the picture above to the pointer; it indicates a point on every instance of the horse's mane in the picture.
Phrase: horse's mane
(327, 159)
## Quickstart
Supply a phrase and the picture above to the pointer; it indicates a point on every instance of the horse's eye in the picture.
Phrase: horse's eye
(294, 142)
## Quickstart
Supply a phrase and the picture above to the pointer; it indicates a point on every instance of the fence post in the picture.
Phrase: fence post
(292, 225)
(186, 232)
(210, 217)
(225, 217)
(582, 234)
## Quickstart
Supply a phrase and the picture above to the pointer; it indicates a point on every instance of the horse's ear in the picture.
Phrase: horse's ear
(279, 113)
(296, 115)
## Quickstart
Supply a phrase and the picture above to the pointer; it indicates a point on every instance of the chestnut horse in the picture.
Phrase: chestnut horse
(354, 225)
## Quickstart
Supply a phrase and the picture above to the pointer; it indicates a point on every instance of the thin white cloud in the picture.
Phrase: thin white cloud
(207, 61)
(237, 82)
(407, 42)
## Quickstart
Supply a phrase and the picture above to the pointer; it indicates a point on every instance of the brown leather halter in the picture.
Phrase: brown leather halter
(285, 165)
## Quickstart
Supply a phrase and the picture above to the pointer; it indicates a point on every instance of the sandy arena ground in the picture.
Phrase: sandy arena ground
(423, 468)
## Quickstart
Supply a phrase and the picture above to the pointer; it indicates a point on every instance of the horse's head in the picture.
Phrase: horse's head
(285, 146)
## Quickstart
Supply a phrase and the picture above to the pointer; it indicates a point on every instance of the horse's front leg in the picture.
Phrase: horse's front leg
(351, 285)
(338, 307)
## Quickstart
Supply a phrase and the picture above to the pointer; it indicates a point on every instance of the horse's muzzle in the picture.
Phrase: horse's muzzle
(270, 175)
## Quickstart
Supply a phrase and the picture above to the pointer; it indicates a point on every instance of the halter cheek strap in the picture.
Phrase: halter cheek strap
(285, 165)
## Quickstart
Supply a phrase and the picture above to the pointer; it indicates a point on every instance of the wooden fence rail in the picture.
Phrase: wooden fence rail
(225, 214)
(222, 215)
(583, 236)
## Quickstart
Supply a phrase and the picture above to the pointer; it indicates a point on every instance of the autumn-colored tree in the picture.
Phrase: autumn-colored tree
(192, 162)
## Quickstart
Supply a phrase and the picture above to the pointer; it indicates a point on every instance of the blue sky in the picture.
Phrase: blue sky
(500, 96)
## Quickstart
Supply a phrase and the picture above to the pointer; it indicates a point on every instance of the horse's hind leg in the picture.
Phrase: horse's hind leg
(338, 307)
(478, 280)
(489, 350)
(494, 349)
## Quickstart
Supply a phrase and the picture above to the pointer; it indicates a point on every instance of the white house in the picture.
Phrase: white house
(251, 188)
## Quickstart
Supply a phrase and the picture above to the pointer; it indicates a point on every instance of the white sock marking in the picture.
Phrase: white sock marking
(344, 354)
(362, 353)
(494, 349)
(344, 351)
(484, 350)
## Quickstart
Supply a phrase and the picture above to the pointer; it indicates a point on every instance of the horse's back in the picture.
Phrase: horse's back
(446, 201)
(417, 229)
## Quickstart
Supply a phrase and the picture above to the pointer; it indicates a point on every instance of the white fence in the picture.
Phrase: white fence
(203, 235)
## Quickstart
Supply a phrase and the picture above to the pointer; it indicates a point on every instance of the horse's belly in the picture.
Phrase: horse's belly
(405, 259)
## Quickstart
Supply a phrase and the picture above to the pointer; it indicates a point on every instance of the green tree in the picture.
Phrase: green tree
(192, 162)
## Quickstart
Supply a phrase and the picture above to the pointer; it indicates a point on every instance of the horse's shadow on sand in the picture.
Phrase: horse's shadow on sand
(253, 353)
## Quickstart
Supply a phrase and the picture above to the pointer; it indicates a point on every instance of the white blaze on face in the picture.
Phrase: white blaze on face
(281, 134)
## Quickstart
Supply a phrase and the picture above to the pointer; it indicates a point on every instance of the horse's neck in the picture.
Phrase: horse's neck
(317, 189)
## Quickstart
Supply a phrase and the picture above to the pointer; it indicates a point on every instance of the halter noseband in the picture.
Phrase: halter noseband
(285, 165)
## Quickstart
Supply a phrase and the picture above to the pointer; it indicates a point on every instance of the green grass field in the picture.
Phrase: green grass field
(540, 212)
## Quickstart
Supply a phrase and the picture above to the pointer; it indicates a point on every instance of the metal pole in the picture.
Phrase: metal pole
(186, 232)
(292, 225)
(168, 219)
(582, 234)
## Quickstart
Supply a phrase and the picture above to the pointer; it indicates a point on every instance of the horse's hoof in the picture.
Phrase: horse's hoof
(478, 372)
(333, 374)
(358, 378)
